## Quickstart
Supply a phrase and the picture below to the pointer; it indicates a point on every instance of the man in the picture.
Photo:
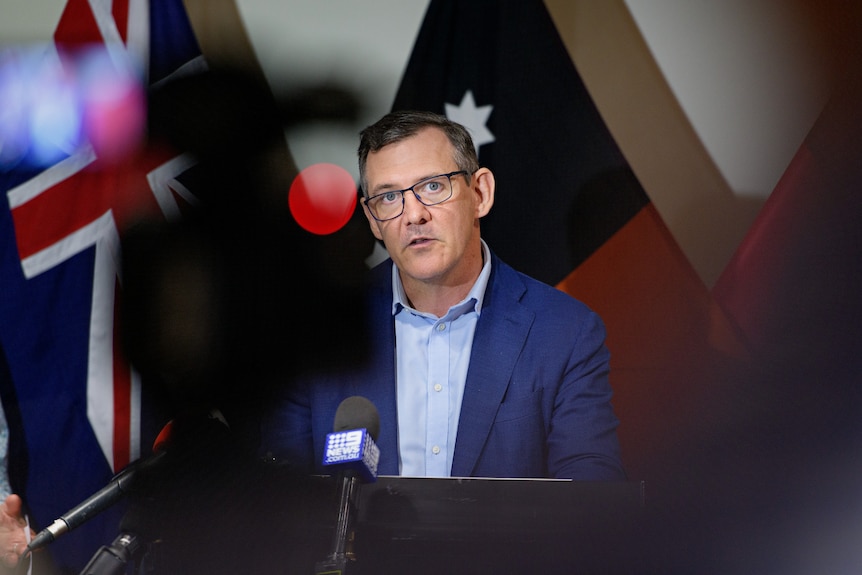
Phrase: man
(475, 369)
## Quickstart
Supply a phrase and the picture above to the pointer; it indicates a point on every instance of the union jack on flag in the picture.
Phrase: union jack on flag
(73, 404)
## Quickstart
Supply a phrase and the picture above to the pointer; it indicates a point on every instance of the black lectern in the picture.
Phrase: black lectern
(475, 525)
(270, 520)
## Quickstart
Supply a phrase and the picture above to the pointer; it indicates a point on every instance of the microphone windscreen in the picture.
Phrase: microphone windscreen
(165, 438)
(357, 412)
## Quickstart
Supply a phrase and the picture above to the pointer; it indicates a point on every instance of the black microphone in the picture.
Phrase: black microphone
(350, 450)
(357, 412)
(120, 485)
(137, 530)
(113, 559)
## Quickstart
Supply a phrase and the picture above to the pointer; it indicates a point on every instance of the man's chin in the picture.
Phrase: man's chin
(421, 271)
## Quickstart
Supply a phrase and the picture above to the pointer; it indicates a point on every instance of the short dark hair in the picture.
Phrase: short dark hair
(400, 125)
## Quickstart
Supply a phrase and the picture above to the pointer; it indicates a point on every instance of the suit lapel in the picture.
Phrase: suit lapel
(500, 336)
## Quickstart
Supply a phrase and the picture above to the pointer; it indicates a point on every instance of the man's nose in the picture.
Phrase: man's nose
(414, 210)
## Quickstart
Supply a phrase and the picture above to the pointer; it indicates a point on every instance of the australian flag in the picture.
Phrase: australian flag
(74, 405)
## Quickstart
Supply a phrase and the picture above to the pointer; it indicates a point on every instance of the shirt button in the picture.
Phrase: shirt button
(441, 327)
(437, 387)
(435, 450)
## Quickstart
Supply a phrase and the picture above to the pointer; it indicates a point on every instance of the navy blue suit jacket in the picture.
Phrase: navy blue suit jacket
(536, 401)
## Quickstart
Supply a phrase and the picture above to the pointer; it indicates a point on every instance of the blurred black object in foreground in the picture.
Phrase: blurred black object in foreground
(236, 296)
(222, 307)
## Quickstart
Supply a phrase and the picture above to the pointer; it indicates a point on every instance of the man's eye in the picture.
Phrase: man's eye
(389, 197)
(432, 187)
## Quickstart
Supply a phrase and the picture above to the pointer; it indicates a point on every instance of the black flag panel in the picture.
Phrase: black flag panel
(501, 69)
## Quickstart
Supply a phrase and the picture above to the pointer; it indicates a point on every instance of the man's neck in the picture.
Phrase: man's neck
(436, 297)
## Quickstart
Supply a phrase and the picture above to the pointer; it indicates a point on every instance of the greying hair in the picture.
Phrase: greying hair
(400, 125)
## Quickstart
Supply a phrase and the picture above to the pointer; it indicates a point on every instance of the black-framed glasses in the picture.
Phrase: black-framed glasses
(430, 192)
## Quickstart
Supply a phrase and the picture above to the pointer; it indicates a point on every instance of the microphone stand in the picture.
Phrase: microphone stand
(342, 552)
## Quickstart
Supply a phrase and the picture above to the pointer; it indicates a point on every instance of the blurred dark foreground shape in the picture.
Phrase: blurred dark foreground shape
(221, 308)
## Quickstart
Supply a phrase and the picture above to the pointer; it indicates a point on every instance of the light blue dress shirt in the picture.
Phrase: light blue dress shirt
(432, 357)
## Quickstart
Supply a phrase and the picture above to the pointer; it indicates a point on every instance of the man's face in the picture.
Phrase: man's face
(437, 244)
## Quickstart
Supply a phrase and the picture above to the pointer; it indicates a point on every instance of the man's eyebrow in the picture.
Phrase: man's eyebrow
(388, 187)
(384, 187)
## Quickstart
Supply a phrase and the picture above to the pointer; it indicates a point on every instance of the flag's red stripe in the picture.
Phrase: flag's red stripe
(77, 25)
(120, 11)
(122, 395)
(46, 219)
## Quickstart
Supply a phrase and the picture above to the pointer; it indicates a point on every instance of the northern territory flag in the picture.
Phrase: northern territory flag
(568, 208)
(73, 402)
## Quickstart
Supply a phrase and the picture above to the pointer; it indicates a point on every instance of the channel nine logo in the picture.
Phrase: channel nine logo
(352, 449)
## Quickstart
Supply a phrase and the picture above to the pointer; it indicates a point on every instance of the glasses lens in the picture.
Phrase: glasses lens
(386, 206)
(434, 190)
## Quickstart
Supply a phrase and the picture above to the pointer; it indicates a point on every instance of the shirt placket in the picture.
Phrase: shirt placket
(437, 431)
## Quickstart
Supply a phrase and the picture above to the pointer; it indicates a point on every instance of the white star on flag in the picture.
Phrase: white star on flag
(472, 117)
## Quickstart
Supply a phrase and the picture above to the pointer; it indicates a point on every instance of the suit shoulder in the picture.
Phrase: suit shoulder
(541, 297)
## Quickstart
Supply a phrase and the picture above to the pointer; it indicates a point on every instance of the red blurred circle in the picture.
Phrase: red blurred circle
(322, 198)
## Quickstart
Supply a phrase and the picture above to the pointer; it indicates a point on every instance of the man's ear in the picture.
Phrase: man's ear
(372, 223)
(483, 185)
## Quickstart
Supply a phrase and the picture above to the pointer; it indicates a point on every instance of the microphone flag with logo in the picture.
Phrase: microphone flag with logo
(350, 447)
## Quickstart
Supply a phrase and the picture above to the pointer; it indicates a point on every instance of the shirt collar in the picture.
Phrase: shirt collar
(477, 292)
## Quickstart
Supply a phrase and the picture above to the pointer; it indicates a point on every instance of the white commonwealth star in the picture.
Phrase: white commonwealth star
(472, 117)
